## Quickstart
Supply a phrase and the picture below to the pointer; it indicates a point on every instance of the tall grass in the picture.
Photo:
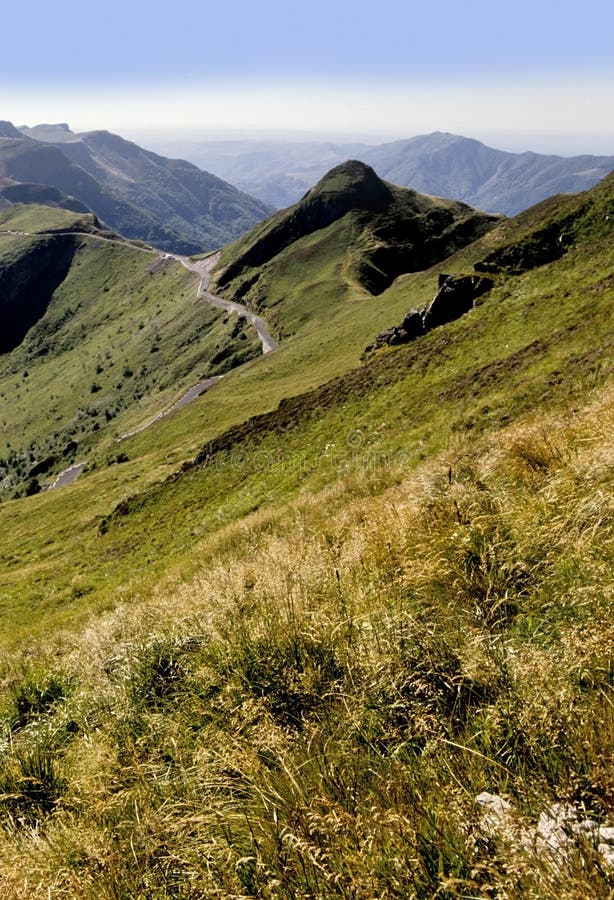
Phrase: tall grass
(314, 713)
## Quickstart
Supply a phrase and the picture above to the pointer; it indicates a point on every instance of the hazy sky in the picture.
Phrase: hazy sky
(394, 68)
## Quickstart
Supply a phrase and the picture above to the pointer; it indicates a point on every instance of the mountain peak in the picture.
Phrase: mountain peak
(356, 181)
(8, 130)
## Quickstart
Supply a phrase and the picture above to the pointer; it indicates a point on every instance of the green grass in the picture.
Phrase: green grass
(516, 351)
(288, 668)
(122, 338)
(33, 218)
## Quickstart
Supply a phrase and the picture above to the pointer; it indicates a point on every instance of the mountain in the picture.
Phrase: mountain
(8, 130)
(452, 166)
(24, 160)
(54, 133)
(445, 165)
(277, 172)
(369, 230)
(343, 626)
(200, 206)
(169, 203)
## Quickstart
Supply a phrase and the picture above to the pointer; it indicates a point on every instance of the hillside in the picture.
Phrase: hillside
(95, 332)
(169, 203)
(341, 628)
(446, 165)
(351, 230)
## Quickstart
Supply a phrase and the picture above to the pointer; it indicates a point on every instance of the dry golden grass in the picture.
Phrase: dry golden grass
(313, 713)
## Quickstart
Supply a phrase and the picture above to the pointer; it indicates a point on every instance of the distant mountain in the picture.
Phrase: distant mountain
(445, 165)
(277, 172)
(54, 133)
(169, 203)
(452, 166)
(28, 161)
(7, 130)
(186, 199)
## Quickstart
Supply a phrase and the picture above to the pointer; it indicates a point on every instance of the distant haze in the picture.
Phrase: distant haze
(526, 75)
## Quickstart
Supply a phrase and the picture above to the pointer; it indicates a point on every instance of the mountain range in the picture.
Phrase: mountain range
(446, 165)
(167, 202)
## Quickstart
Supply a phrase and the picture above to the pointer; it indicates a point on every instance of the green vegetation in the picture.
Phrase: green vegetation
(280, 649)
(117, 341)
(351, 231)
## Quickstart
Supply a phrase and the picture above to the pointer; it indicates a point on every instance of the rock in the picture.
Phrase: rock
(454, 298)
(412, 324)
(559, 829)
(410, 328)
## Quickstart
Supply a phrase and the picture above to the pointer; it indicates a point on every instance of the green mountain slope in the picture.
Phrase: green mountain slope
(95, 332)
(193, 203)
(351, 231)
(324, 621)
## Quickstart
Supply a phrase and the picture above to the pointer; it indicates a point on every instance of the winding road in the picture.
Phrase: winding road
(202, 268)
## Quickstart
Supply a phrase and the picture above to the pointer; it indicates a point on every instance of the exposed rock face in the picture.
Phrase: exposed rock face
(455, 297)
(410, 328)
(28, 284)
(560, 828)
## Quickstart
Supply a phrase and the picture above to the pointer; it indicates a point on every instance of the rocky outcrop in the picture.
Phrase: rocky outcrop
(455, 296)
(536, 249)
(560, 829)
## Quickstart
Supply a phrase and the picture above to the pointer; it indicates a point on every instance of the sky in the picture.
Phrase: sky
(539, 70)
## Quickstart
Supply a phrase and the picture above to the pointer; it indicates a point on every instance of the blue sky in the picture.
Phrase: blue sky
(325, 64)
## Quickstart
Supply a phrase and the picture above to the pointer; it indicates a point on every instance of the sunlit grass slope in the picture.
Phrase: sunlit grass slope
(288, 667)
(121, 334)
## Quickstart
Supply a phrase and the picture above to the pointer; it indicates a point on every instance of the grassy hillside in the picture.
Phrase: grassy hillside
(100, 335)
(289, 667)
(350, 236)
